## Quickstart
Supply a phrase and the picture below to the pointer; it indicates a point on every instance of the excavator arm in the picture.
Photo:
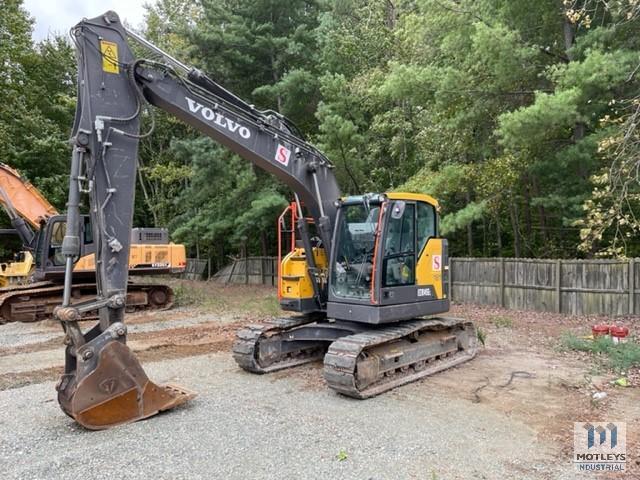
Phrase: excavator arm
(22, 201)
(104, 384)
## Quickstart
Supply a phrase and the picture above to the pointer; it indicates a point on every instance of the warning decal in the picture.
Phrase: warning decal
(436, 265)
(283, 154)
(109, 52)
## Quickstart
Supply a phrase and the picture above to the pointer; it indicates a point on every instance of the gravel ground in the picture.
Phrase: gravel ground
(173, 322)
(272, 427)
(18, 334)
(288, 425)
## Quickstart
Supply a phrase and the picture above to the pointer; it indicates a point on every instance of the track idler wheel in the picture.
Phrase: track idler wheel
(110, 387)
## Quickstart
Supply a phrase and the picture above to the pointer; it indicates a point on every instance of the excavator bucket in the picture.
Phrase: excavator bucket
(114, 389)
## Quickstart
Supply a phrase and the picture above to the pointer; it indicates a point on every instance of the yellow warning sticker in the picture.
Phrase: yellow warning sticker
(109, 56)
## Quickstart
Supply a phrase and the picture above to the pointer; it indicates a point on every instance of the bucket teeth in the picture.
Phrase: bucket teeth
(116, 391)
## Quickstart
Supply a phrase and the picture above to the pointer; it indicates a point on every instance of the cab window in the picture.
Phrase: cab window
(426, 221)
(351, 276)
(88, 230)
(55, 256)
(398, 264)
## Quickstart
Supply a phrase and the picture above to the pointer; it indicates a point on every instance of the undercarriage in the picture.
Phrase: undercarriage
(360, 360)
(36, 301)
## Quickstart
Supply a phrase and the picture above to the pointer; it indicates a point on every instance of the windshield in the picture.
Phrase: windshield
(351, 276)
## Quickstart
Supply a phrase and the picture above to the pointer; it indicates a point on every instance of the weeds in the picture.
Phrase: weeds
(269, 306)
(482, 336)
(261, 302)
(502, 322)
(342, 455)
(185, 296)
(617, 357)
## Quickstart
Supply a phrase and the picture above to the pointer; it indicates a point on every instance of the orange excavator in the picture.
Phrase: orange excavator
(33, 284)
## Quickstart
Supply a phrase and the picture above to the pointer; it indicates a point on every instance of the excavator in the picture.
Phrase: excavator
(366, 279)
(32, 287)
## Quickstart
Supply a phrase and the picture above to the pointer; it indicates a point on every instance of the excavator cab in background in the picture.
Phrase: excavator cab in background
(363, 273)
(151, 252)
(31, 287)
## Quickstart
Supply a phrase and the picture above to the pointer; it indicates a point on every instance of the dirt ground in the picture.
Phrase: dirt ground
(521, 373)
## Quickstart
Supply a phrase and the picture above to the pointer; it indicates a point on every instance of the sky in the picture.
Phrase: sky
(58, 16)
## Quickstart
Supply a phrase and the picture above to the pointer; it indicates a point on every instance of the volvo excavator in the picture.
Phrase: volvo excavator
(32, 287)
(367, 277)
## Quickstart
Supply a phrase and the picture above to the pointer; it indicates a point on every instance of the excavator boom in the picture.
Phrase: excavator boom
(19, 194)
(22, 201)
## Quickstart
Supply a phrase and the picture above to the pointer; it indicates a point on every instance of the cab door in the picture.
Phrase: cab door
(398, 252)
(412, 255)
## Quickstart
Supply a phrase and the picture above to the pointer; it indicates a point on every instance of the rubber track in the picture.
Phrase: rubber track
(247, 339)
(50, 287)
(11, 289)
(341, 359)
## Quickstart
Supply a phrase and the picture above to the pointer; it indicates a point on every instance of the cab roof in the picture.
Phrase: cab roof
(376, 198)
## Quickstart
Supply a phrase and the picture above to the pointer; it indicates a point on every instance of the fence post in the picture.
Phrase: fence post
(233, 267)
(274, 269)
(502, 282)
(450, 279)
(559, 286)
(632, 286)
(246, 270)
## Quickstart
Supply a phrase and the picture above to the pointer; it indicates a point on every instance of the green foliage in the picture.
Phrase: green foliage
(463, 217)
(264, 51)
(37, 95)
(548, 118)
(618, 357)
(520, 117)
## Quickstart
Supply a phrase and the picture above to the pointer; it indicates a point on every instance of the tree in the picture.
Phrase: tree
(37, 91)
(265, 52)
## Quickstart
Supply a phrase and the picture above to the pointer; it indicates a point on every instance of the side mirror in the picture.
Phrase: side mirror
(398, 209)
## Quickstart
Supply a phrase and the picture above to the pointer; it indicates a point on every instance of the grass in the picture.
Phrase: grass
(342, 455)
(186, 296)
(502, 322)
(617, 357)
(255, 300)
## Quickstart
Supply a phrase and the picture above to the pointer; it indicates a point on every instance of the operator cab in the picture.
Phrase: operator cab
(49, 258)
(388, 262)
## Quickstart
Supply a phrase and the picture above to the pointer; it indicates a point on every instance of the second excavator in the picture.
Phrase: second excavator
(365, 273)
(31, 286)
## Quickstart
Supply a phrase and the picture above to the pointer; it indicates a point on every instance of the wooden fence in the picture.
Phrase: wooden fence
(196, 269)
(249, 271)
(576, 287)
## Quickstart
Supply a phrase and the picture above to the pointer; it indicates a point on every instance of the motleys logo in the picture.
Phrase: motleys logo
(600, 446)
(218, 118)
(283, 154)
